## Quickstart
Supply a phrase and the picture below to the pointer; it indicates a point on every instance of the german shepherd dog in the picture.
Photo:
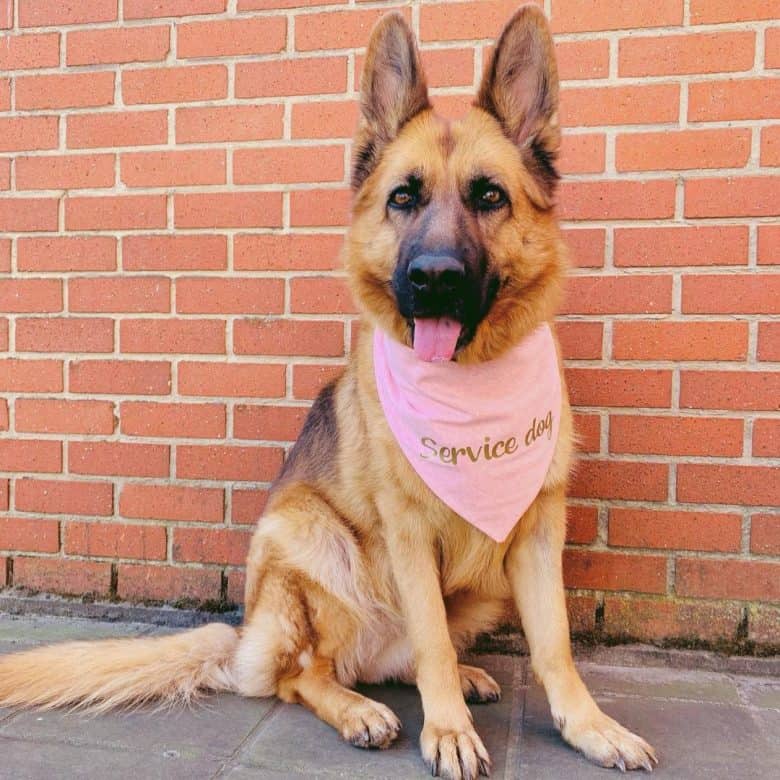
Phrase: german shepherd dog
(357, 571)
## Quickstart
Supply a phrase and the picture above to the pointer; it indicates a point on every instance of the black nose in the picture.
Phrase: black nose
(436, 275)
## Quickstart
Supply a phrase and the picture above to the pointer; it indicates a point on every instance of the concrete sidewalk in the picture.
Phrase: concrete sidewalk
(703, 724)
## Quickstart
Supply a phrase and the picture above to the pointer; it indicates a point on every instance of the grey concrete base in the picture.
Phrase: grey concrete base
(704, 724)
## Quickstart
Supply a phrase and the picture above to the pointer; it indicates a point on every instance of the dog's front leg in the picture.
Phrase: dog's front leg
(534, 569)
(449, 743)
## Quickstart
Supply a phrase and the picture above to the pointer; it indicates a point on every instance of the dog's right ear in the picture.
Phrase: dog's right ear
(392, 91)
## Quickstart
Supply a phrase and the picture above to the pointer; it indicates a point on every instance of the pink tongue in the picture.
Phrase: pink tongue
(435, 339)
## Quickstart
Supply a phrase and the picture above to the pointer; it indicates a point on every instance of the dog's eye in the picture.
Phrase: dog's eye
(491, 198)
(402, 198)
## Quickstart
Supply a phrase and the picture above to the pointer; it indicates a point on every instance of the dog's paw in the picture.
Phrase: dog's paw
(478, 686)
(455, 755)
(369, 724)
(606, 743)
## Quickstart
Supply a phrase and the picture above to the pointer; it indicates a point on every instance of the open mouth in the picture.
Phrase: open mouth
(435, 339)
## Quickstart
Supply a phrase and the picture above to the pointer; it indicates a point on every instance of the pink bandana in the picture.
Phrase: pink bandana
(481, 436)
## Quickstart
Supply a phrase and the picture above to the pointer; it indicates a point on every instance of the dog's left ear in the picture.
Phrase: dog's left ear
(520, 89)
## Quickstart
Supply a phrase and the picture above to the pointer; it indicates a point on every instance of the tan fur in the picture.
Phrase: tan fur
(357, 572)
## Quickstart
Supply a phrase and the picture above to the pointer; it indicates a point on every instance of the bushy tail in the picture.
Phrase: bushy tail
(111, 673)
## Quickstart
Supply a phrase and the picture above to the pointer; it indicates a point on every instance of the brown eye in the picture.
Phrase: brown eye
(484, 195)
(493, 196)
(402, 198)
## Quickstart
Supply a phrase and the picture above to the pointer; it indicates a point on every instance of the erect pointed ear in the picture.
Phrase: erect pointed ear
(520, 88)
(392, 91)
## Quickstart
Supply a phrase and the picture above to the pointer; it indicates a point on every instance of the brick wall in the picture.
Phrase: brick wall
(174, 192)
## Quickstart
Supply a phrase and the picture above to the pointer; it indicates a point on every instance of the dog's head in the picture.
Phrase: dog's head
(453, 246)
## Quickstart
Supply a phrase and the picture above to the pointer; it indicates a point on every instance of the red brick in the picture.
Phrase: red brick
(772, 47)
(321, 295)
(324, 119)
(580, 340)
(770, 145)
(116, 212)
(126, 44)
(229, 296)
(5, 173)
(746, 196)
(264, 5)
(582, 613)
(44, 13)
(581, 524)
(673, 530)
(683, 150)
(4, 508)
(308, 380)
(121, 377)
(681, 54)
(255, 35)
(236, 585)
(764, 624)
(586, 246)
(288, 337)
(765, 534)
(616, 199)
(320, 208)
(174, 85)
(67, 90)
(288, 164)
(766, 438)
(715, 101)
(120, 294)
(339, 29)
(727, 484)
(164, 583)
(145, 9)
(632, 294)
(645, 434)
(64, 172)
(728, 579)
(24, 215)
(582, 153)
(587, 429)
(19, 133)
(308, 252)
(446, 67)
(268, 423)
(283, 77)
(731, 294)
(173, 420)
(5, 93)
(54, 415)
(649, 619)
(38, 455)
(263, 380)
(66, 253)
(582, 59)
(673, 246)
(6, 22)
(452, 107)
(111, 129)
(627, 480)
(199, 252)
(23, 52)
(113, 458)
(769, 341)
(747, 390)
(29, 535)
(614, 571)
(585, 16)
(768, 244)
(171, 169)
(30, 295)
(64, 334)
(656, 340)
(3, 339)
(253, 464)
(5, 254)
(464, 21)
(210, 545)
(248, 505)
(64, 497)
(228, 209)
(229, 123)
(172, 336)
(116, 540)
(638, 104)
(172, 502)
(30, 376)
(715, 11)
(57, 575)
